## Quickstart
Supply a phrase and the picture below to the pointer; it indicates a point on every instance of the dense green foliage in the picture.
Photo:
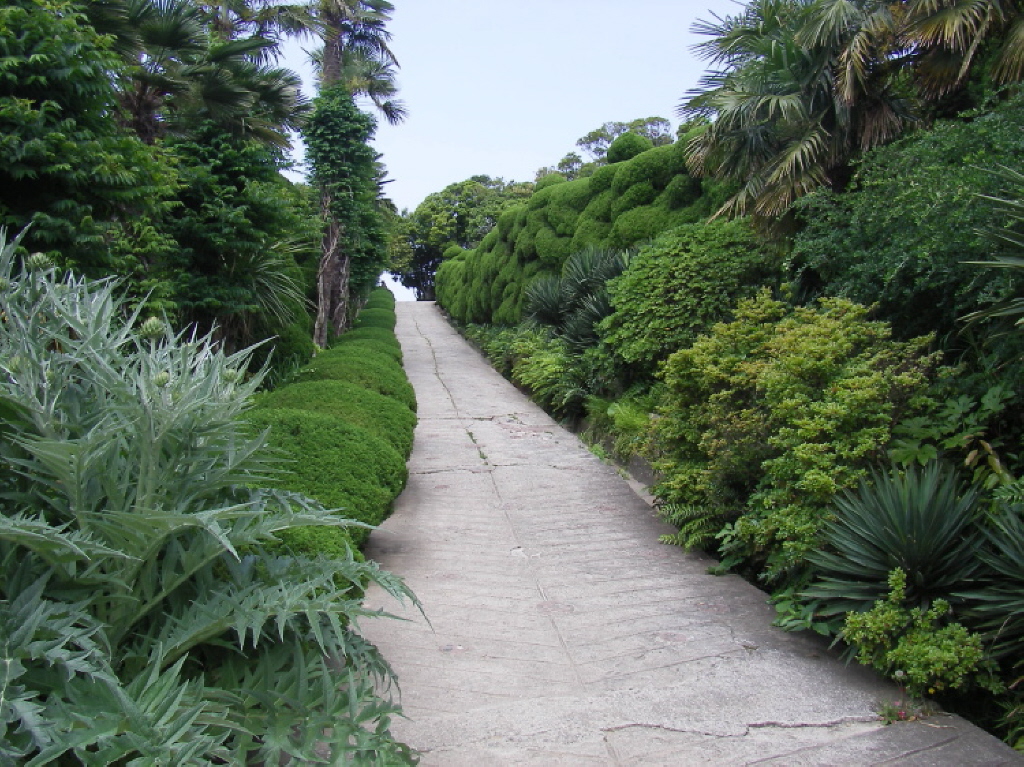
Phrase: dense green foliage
(772, 414)
(238, 228)
(354, 242)
(382, 416)
(143, 613)
(680, 285)
(65, 165)
(919, 647)
(903, 236)
(345, 422)
(376, 371)
(342, 466)
(461, 215)
(620, 206)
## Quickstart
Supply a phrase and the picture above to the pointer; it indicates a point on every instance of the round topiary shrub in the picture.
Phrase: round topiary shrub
(383, 335)
(340, 465)
(376, 318)
(372, 345)
(365, 367)
(549, 180)
(626, 146)
(380, 415)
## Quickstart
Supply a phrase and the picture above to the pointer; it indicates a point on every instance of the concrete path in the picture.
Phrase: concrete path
(562, 633)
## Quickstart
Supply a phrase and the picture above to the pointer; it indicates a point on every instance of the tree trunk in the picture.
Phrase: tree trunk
(331, 280)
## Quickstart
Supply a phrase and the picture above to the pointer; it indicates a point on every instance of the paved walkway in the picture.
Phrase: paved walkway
(562, 633)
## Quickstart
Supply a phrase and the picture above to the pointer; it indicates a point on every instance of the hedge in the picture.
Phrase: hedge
(378, 414)
(342, 466)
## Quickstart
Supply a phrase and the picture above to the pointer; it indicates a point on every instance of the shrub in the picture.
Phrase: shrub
(640, 193)
(381, 335)
(382, 416)
(603, 178)
(549, 180)
(372, 370)
(681, 284)
(376, 318)
(626, 146)
(904, 236)
(920, 649)
(370, 346)
(340, 465)
(656, 166)
(770, 415)
(921, 521)
(141, 610)
(380, 298)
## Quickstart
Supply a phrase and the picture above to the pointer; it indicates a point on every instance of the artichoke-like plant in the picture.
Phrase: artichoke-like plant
(142, 620)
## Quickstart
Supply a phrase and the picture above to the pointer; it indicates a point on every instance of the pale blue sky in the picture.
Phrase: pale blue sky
(503, 88)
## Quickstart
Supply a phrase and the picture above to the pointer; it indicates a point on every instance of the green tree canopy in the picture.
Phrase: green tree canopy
(461, 214)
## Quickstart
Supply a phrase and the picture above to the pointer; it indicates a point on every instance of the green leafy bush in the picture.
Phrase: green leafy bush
(338, 464)
(770, 415)
(904, 235)
(368, 368)
(371, 347)
(382, 416)
(919, 648)
(627, 146)
(380, 298)
(680, 285)
(376, 318)
(380, 335)
(142, 616)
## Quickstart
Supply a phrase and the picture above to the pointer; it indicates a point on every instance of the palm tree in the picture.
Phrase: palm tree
(951, 34)
(800, 88)
(355, 57)
(179, 73)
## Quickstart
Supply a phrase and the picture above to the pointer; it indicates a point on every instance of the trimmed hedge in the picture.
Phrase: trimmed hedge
(380, 415)
(340, 465)
(347, 423)
(370, 369)
(372, 346)
(382, 335)
(376, 318)
(621, 205)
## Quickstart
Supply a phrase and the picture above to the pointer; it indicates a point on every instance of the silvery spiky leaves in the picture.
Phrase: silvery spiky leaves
(141, 619)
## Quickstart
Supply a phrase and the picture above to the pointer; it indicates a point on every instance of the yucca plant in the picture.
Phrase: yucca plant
(141, 620)
(921, 520)
(572, 305)
(997, 609)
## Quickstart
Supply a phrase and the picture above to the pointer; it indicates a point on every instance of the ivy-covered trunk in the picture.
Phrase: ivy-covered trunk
(332, 279)
(343, 169)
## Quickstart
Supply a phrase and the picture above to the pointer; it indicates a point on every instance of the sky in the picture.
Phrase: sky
(503, 88)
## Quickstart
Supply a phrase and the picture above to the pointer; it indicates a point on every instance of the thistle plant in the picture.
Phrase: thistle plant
(142, 620)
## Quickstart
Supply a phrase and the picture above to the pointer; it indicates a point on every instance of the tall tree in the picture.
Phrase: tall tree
(355, 59)
(345, 172)
(798, 91)
(183, 70)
